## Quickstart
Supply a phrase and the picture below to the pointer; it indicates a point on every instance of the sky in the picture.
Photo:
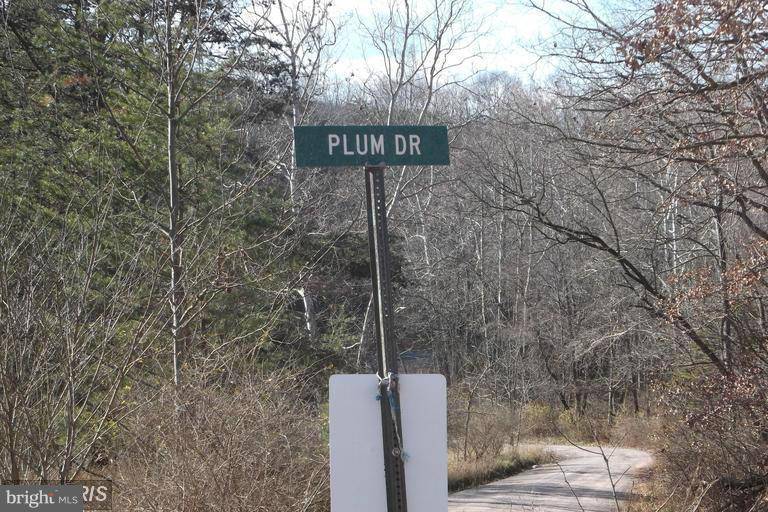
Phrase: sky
(511, 32)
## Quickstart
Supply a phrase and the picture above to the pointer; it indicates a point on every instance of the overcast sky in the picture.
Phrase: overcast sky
(511, 31)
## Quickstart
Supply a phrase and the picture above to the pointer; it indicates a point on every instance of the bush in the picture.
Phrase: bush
(254, 448)
(584, 428)
(490, 429)
(713, 442)
(465, 474)
(634, 430)
(539, 420)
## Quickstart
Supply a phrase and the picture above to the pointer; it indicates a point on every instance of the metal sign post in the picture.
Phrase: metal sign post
(378, 243)
(376, 147)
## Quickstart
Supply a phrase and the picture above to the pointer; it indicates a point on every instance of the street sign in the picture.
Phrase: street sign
(375, 146)
(357, 456)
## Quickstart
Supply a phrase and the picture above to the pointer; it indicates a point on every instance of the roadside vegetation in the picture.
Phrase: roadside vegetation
(257, 444)
(483, 443)
(465, 474)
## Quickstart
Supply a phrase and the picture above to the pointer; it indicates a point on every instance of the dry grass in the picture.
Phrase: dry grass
(480, 433)
(653, 494)
(256, 447)
(646, 496)
(468, 473)
(635, 431)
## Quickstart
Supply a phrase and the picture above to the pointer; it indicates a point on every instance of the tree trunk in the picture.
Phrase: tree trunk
(177, 287)
(309, 312)
(722, 256)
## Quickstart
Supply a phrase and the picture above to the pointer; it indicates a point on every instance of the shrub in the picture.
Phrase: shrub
(713, 443)
(634, 430)
(583, 428)
(490, 428)
(254, 448)
(477, 427)
(538, 419)
(464, 474)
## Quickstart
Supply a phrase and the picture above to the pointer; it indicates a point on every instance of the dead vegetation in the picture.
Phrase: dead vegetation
(482, 439)
(252, 447)
(465, 474)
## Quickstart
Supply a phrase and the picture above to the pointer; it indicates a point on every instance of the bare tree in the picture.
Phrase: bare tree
(422, 54)
(303, 35)
(70, 338)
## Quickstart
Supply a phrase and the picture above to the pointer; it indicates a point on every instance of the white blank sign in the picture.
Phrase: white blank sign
(357, 454)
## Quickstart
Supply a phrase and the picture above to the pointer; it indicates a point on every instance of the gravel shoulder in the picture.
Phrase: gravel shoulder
(579, 482)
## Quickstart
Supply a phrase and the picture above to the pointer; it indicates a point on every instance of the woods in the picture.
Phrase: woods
(172, 287)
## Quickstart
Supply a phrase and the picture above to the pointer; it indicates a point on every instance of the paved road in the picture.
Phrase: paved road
(544, 488)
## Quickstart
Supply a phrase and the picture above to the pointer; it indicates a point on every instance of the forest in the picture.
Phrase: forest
(175, 292)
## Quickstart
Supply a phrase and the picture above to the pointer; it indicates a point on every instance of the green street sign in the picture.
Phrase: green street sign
(347, 146)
